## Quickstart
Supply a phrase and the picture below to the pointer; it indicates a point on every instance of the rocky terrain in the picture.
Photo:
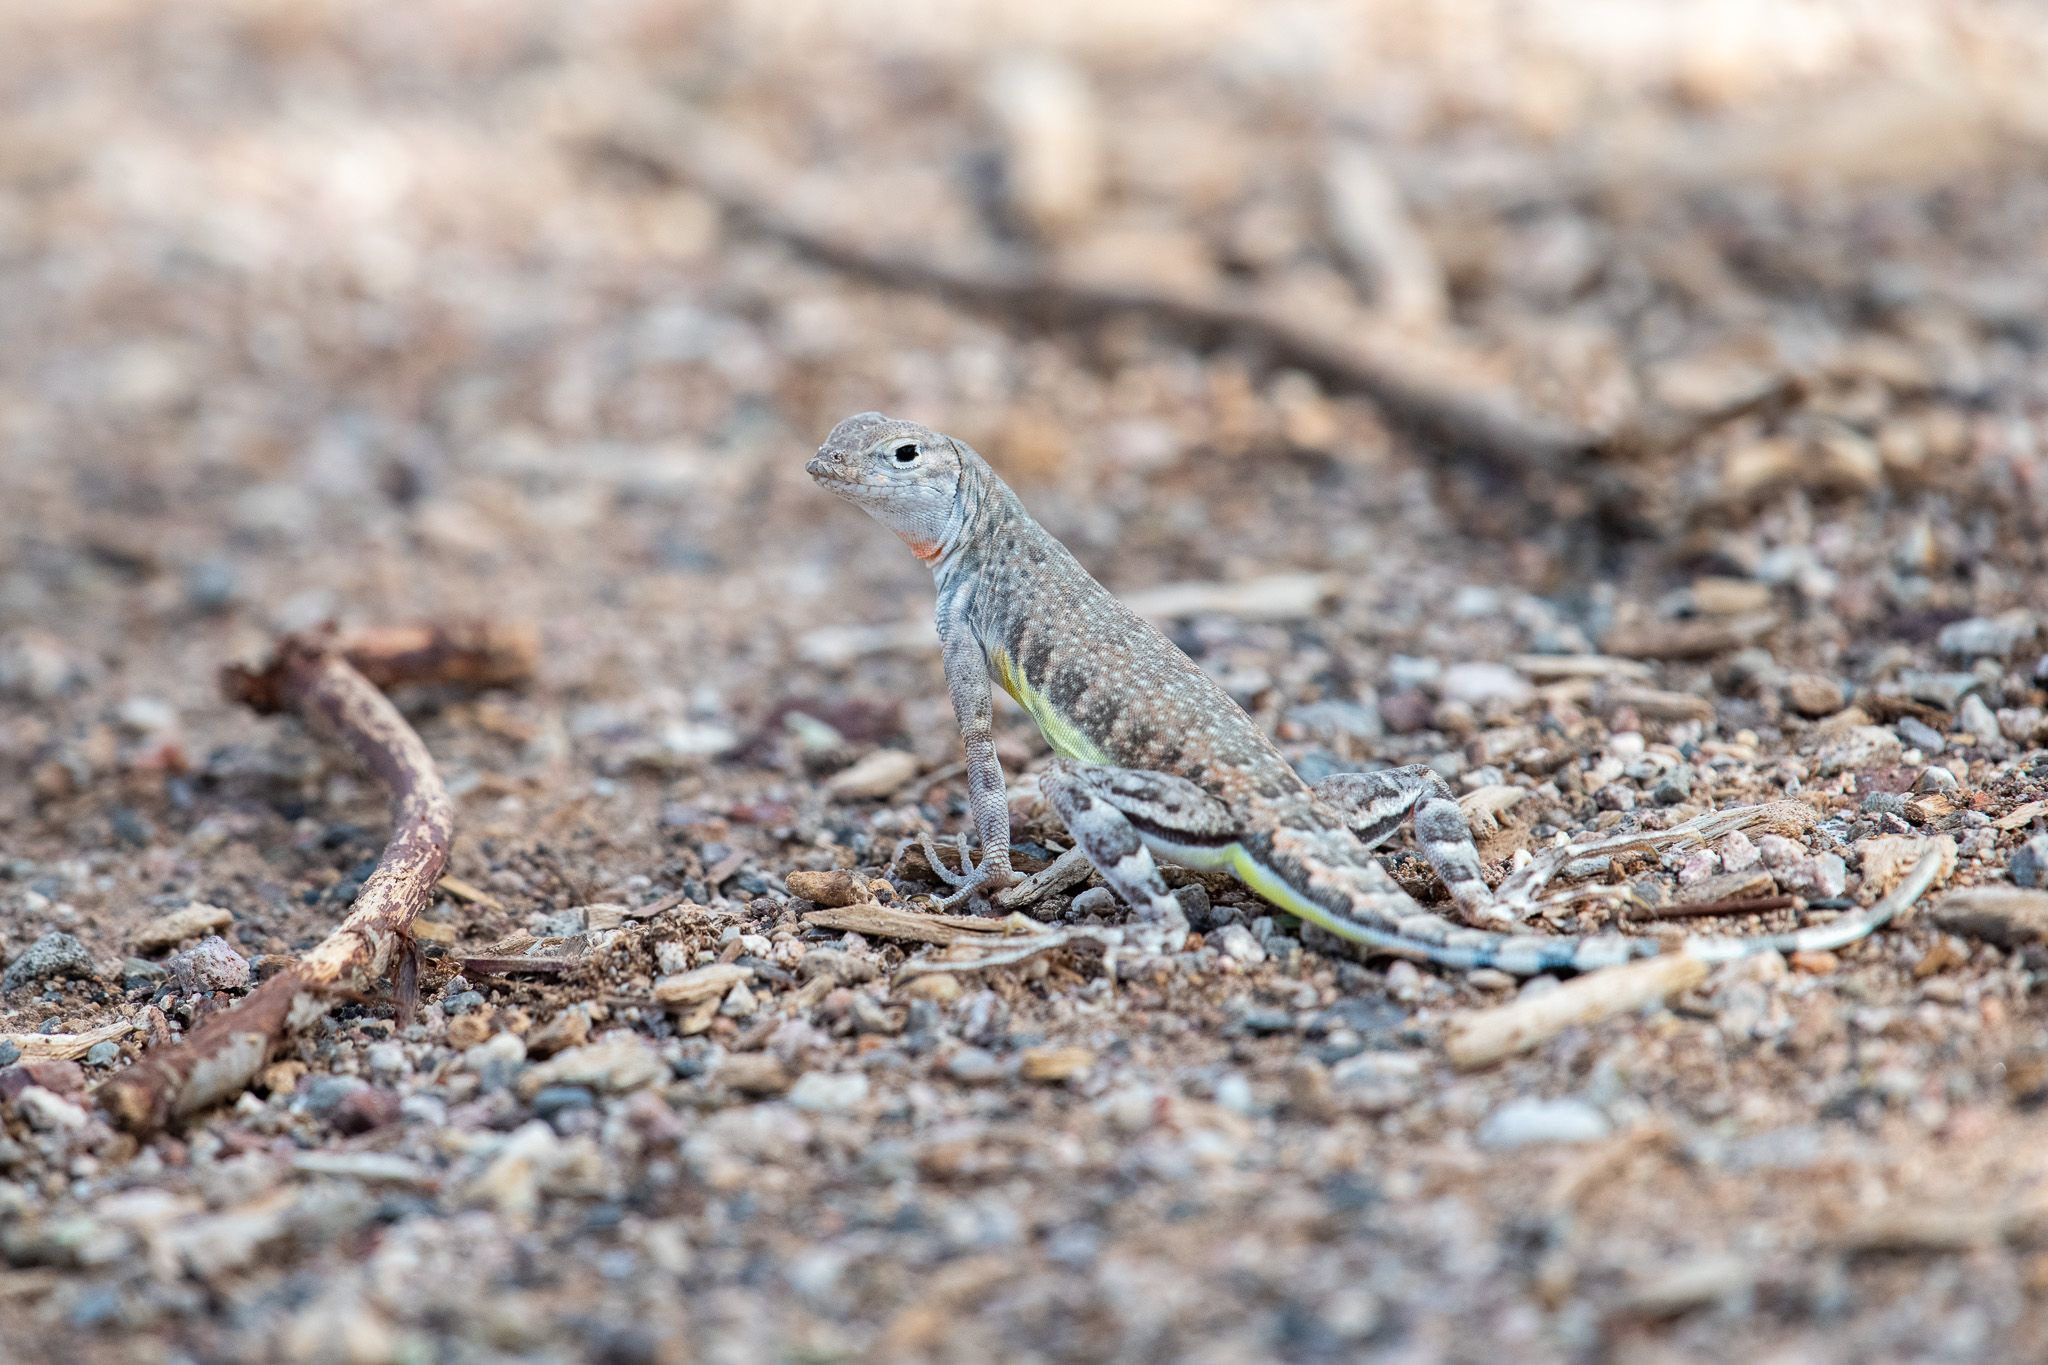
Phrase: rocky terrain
(352, 312)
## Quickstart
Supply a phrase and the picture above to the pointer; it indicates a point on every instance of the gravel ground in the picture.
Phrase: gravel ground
(335, 311)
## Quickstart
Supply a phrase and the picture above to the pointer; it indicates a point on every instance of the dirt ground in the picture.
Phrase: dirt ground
(358, 312)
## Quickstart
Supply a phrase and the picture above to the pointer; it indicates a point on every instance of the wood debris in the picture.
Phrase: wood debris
(313, 676)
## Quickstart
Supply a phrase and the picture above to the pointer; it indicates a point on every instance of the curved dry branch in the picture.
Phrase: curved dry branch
(1450, 413)
(314, 676)
(1426, 392)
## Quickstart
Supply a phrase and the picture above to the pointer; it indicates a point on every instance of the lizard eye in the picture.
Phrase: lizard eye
(905, 453)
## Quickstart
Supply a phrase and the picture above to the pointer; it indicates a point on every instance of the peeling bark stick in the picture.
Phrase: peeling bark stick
(311, 677)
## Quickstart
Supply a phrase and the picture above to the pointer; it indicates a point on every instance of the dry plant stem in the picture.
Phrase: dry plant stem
(466, 654)
(1484, 1038)
(1736, 905)
(65, 1046)
(1478, 424)
(223, 1055)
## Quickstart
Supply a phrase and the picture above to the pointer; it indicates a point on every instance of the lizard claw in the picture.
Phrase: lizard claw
(939, 868)
(993, 873)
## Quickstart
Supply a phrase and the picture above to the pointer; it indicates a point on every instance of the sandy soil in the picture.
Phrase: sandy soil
(346, 311)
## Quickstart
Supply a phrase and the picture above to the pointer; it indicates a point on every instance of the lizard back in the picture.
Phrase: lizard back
(1103, 684)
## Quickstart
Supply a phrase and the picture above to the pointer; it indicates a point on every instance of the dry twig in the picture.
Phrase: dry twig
(314, 676)
(1485, 1037)
(1355, 355)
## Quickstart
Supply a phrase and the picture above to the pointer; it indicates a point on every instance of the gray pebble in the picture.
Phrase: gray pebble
(49, 957)
(551, 1100)
(325, 1094)
(462, 1002)
(829, 1092)
(103, 1053)
(1921, 735)
(388, 1060)
(1528, 1122)
(1614, 796)
(974, 1066)
(1976, 718)
(9, 1054)
(1985, 636)
(1935, 779)
(211, 586)
(210, 965)
(1096, 900)
(2029, 865)
(1478, 683)
(1676, 786)
(1238, 944)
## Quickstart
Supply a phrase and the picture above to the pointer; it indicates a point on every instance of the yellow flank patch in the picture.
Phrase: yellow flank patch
(1066, 739)
(1267, 883)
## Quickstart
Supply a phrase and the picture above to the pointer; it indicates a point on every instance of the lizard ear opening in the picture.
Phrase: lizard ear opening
(905, 454)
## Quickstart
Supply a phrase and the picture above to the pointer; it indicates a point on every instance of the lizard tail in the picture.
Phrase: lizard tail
(1387, 920)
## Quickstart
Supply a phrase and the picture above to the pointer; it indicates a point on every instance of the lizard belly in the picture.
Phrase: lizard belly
(1063, 735)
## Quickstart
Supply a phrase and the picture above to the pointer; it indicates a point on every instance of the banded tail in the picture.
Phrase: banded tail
(1358, 901)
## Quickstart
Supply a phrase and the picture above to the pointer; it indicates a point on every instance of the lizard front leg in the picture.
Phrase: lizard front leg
(974, 709)
(1373, 805)
(1115, 814)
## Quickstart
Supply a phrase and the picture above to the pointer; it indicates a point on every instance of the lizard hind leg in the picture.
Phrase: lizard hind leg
(1373, 805)
(1112, 814)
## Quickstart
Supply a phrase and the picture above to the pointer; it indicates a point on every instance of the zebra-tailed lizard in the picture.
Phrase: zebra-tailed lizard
(1156, 762)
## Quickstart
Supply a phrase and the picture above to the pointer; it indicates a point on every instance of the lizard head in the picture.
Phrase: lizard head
(906, 476)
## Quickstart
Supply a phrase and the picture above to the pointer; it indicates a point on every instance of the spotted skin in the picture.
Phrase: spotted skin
(1156, 762)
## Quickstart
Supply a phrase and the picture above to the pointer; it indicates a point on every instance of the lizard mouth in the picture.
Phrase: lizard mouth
(829, 475)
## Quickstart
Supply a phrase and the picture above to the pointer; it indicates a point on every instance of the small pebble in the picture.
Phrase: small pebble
(938, 987)
(1812, 695)
(388, 1060)
(104, 1053)
(1615, 796)
(974, 1066)
(551, 1100)
(323, 1095)
(1239, 944)
(1977, 720)
(49, 957)
(829, 1092)
(1529, 1122)
(835, 888)
(169, 930)
(2029, 863)
(210, 965)
(1096, 900)
(1936, 779)
(1921, 735)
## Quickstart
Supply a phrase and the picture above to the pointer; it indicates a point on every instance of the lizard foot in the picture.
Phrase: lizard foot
(939, 868)
(992, 874)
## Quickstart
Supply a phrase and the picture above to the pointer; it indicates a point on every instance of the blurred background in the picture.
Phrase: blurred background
(1406, 337)
(333, 308)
